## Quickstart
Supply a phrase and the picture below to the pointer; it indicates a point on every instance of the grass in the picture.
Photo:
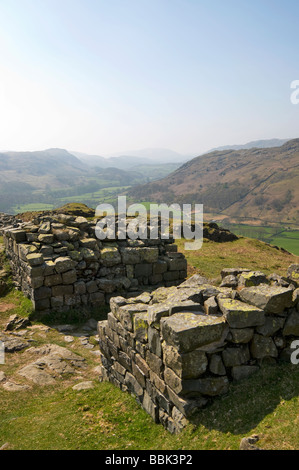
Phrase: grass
(279, 235)
(104, 418)
(244, 252)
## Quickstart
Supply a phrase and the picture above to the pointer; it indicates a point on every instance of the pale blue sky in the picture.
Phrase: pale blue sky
(102, 76)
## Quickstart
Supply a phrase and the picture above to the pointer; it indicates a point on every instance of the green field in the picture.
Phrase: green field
(107, 195)
(280, 236)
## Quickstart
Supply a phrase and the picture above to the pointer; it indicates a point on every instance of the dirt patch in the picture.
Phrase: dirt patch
(5, 307)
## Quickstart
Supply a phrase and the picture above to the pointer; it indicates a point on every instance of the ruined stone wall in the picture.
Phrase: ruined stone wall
(177, 348)
(59, 263)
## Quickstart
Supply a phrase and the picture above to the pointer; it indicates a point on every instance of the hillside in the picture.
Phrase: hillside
(261, 144)
(256, 183)
(49, 178)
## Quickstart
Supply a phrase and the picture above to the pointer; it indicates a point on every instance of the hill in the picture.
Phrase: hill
(46, 179)
(259, 184)
(261, 144)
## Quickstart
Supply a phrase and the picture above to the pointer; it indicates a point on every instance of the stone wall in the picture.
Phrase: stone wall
(59, 263)
(177, 348)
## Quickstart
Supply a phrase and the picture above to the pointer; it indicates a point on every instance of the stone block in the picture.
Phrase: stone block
(110, 256)
(262, 346)
(236, 356)
(156, 312)
(35, 259)
(140, 327)
(63, 264)
(130, 255)
(291, 327)
(189, 331)
(216, 365)
(271, 326)
(252, 278)
(61, 290)
(46, 238)
(125, 314)
(239, 314)
(80, 287)
(133, 386)
(272, 299)
(160, 267)
(42, 293)
(149, 254)
(154, 362)
(53, 280)
(143, 270)
(186, 365)
(149, 406)
(241, 335)
(154, 341)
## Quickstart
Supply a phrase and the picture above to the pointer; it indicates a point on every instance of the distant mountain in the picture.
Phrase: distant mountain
(254, 144)
(92, 160)
(44, 177)
(156, 155)
(153, 168)
(255, 183)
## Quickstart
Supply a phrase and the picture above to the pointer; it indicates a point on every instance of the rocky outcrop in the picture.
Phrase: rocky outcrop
(213, 232)
(177, 348)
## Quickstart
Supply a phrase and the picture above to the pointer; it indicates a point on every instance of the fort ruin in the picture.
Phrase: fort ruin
(174, 344)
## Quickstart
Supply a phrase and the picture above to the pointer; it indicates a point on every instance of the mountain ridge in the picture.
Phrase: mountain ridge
(254, 182)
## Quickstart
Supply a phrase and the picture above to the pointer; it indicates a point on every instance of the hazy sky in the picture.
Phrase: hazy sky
(101, 76)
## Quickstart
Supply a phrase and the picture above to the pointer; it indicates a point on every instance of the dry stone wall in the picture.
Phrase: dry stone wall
(59, 263)
(177, 348)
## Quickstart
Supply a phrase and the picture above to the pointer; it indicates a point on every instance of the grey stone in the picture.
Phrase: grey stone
(149, 406)
(16, 323)
(187, 365)
(262, 347)
(189, 331)
(35, 259)
(236, 356)
(293, 272)
(241, 335)
(252, 278)
(211, 306)
(229, 281)
(140, 326)
(248, 443)
(88, 385)
(239, 314)
(154, 341)
(272, 299)
(69, 277)
(271, 326)
(156, 312)
(216, 365)
(13, 387)
(63, 264)
(292, 324)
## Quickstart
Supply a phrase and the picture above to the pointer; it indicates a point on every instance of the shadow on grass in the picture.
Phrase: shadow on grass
(73, 317)
(249, 401)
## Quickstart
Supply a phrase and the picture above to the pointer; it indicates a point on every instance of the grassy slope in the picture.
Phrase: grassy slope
(257, 183)
(105, 418)
(245, 253)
